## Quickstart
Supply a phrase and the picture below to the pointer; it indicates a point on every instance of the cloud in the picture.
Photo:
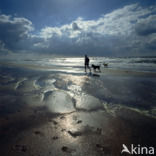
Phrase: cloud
(3, 50)
(75, 26)
(146, 26)
(13, 31)
(125, 31)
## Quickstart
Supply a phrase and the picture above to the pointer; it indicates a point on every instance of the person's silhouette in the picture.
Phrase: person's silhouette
(87, 63)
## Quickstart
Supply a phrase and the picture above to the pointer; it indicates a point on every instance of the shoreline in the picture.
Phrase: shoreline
(64, 69)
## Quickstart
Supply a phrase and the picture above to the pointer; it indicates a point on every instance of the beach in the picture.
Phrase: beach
(56, 109)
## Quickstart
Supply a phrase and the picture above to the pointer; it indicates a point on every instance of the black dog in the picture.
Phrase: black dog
(96, 67)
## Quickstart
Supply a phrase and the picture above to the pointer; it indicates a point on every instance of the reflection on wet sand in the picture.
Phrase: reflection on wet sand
(64, 114)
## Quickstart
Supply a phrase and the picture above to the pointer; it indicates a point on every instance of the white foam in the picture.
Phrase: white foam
(19, 82)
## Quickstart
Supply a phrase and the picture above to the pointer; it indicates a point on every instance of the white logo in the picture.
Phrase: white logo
(125, 149)
(137, 150)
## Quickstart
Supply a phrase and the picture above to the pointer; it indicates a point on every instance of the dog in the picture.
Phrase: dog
(96, 67)
(105, 64)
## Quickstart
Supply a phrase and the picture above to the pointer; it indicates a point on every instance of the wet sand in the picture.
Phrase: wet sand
(58, 114)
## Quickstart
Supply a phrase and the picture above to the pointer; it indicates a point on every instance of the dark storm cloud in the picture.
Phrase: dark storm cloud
(146, 26)
(144, 31)
(13, 31)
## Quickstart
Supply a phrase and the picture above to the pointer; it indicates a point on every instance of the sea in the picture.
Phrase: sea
(75, 64)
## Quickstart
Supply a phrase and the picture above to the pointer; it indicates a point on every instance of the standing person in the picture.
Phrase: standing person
(87, 63)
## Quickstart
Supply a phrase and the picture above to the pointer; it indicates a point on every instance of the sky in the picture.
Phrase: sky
(69, 27)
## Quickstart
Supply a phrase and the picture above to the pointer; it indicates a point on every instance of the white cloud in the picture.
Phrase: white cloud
(125, 30)
(49, 32)
(114, 31)
(119, 22)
